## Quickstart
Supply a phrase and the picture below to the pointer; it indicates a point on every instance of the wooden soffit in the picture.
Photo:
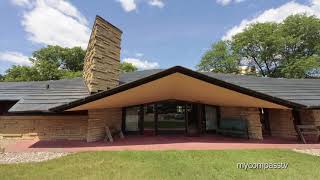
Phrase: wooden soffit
(182, 87)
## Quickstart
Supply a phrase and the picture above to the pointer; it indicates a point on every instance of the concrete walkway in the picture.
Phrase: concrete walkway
(208, 142)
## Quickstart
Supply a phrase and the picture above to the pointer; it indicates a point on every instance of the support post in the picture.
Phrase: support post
(123, 125)
(218, 116)
(203, 120)
(199, 118)
(186, 118)
(141, 119)
(156, 119)
(296, 122)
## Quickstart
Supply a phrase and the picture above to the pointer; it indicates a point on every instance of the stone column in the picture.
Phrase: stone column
(310, 117)
(252, 115)
(281, 123)
(102, 61)
(99, 119)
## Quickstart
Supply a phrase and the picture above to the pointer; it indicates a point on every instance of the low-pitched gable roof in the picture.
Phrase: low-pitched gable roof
(270, 89)
(40, 96)
(59, 95)
(305, 92)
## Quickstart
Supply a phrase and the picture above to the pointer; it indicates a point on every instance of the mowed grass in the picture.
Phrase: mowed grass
(167, 165)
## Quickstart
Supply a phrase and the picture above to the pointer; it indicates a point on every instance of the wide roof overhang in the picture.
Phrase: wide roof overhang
(181, 84)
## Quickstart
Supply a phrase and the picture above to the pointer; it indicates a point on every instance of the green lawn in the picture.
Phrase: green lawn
(167, 165)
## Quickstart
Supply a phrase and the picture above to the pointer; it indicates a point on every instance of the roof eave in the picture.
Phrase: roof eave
(185, 71)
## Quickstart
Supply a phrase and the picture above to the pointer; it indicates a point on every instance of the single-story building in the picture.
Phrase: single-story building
(161, 101)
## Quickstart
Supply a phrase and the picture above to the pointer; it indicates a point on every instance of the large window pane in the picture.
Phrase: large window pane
(171, 117)
(211, 118)
(132, 119)
(149, 117)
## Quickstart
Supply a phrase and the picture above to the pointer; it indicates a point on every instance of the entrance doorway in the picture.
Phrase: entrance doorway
(170, 117)
(193, 119)
(264, 119)
(211, 118)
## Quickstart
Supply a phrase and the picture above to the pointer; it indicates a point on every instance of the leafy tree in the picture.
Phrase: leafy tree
(21, 73)
(300, 35)
(47, 70)
(53, 63)
(289, 49)
(64, 58)
(300, 47)
(50, 61)
(258, 45)
(219, 59)
(127, 67)
(65, 74)
(301, 68)
(73, 59)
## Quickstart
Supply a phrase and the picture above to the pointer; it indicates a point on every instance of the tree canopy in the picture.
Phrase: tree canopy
(289, 49)
(127, 67)
(219, 59)
(53, 63)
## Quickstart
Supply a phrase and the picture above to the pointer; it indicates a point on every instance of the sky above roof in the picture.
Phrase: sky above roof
(157, 33)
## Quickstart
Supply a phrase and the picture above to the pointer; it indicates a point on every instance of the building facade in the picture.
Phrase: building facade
(171, 101)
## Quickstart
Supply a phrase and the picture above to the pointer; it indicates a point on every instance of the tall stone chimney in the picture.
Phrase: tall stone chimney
(102, 61)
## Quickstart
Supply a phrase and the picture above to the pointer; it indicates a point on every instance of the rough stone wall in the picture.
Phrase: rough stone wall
(310, 117)
(44, 127)
(316, 115)
(102, 61)
(281, 123)
(99, 119)
(252, 115)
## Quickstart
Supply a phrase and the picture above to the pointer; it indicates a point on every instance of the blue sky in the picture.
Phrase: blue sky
(157, 33)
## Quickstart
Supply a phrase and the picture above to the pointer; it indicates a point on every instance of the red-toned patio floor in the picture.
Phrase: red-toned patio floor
(168, 142)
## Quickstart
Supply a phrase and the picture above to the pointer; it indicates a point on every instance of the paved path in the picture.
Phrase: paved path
(158, 143)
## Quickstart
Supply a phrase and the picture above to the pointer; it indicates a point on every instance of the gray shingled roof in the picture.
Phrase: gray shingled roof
(133, 76)
(34, 96)
(301, 91)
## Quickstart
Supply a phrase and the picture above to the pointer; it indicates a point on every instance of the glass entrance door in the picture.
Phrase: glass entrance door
(171, 118)
(149, 119)
(132, 119)
(211, 118)
(193, 119)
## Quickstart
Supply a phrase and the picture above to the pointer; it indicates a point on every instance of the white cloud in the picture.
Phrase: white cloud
(15, 58)
(227, 2)
(157, 3)
(277, 15)
(224, 2)
(21, 2)
(128, 5)
(131, 5)
(139, 54)
(141, 64)
(54, 22)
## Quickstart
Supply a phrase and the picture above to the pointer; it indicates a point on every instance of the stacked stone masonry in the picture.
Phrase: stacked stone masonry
(102, 60)
(252, 116)
(91, 127)
(310, 117)
(99, 119)
(281, 123)
(43, 127)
